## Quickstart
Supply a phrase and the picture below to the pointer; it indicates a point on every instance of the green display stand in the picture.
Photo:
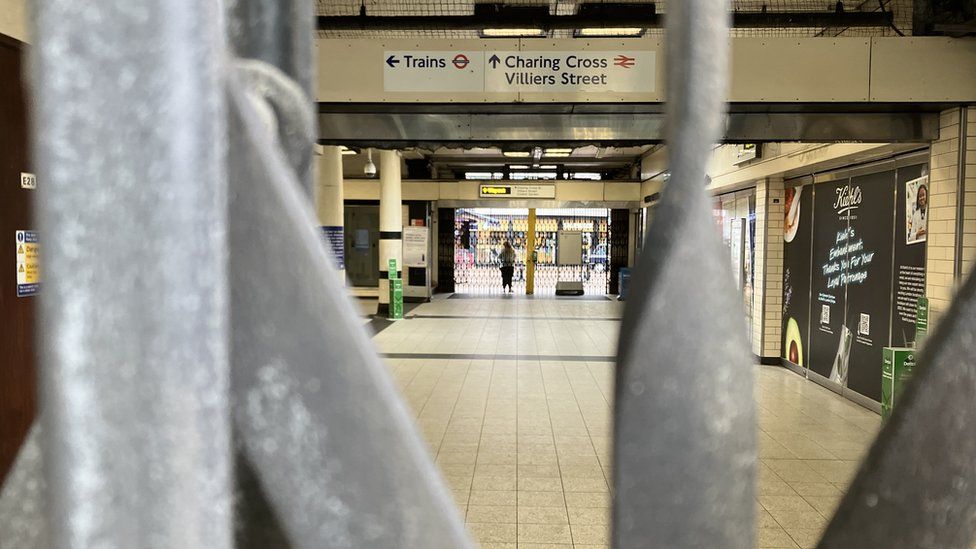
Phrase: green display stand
(921, 321)
(895, 373)
(396, 292)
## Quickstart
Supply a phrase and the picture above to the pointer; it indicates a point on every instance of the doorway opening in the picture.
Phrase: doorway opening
(479, 234)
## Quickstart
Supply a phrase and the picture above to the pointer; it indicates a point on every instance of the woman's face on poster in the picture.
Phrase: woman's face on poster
(923, 198)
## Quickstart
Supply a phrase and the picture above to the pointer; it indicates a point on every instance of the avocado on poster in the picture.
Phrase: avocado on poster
(869, 210)
(910, 252)
(797, 223)
(830, 336)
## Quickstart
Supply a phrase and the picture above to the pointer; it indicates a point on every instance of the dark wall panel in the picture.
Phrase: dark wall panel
(830, 338)
(869, 278)
(909, 264)
(797, 227)
(17, 369)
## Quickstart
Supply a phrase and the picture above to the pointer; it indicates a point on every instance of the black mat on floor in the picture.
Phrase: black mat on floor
(561, 358)
(541, 297)
(511, 317)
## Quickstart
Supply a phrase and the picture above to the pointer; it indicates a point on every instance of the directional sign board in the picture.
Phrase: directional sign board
(433, 71)
(503, 190)
(518, 71)
(546, 71)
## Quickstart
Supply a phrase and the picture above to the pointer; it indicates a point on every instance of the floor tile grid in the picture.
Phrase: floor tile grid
(602, 522)
(603, 450)
(810, 439)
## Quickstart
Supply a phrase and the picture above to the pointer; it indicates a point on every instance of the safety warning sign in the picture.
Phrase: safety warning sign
(519, 71)
(28, 266)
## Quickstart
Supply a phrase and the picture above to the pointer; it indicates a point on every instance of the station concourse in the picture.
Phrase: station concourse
(433, 274)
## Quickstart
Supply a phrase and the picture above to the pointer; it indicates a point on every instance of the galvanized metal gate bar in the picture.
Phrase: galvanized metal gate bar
(685, 452)
(917, 486)
(322, 423)
(131, 142)
(280, 34)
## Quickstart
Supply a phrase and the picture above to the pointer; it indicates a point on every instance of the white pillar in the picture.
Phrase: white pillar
(328, 200)
(391, 223)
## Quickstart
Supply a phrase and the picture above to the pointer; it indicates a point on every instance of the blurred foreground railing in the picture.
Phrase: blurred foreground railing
(205, 384)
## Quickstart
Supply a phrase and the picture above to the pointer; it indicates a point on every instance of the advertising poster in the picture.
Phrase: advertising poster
(830, 337)
(916, 212)
(909, 271)
(870, 216)
(797, 225)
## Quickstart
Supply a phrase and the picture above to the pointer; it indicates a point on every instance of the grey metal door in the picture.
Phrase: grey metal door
(362, 245)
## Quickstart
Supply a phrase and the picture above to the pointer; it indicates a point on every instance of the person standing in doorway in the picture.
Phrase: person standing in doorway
(507, 260)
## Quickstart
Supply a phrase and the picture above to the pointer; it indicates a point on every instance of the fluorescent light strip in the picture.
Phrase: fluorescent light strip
(622, 31)
(557, 154)
(517, 154)
(517, 167)
(507, 33)
(558, 151)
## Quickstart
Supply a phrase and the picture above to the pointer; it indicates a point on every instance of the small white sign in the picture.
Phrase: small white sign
(28, 181)
(825, 314)
(569, 248)
(502, 190)
(745, 153)
(864, 326)
(415, 246)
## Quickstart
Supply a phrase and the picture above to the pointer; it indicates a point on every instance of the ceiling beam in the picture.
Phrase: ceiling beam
(547, 22)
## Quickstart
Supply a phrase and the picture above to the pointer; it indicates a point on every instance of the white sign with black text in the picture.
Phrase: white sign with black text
(28, 181)
(519, 71)
(414, 246)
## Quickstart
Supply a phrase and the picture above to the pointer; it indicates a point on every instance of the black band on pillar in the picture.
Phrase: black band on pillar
(391, 235)
(386, 274)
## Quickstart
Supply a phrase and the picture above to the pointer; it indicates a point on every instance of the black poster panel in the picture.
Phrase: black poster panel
(869, 253)
(910, 250)
(797, 226)
(830, 339)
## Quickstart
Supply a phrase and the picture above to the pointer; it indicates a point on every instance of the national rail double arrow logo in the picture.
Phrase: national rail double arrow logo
(624, 61)
(460, 61)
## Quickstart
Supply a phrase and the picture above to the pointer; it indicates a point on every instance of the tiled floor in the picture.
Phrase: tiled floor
(514, 397)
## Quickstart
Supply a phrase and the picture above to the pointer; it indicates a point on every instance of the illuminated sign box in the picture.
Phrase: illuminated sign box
(518, 191)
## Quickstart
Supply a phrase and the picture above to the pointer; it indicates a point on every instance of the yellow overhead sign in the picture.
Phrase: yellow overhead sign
(496, 190)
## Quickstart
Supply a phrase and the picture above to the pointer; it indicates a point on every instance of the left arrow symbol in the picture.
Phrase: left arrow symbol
(392, 61)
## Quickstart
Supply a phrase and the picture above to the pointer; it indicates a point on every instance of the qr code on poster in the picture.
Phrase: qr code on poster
(825, 314)
(864, 326)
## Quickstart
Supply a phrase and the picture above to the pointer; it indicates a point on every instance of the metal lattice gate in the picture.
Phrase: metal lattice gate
(219, 345)
(480, 232)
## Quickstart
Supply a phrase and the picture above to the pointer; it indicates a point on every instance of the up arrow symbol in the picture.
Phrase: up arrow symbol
(494, 60)
(392, 61)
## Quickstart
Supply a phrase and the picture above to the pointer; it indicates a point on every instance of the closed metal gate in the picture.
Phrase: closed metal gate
(215, 344)
(480, 233)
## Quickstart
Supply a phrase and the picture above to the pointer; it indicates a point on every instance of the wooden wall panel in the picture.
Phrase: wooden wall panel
(18, 400)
